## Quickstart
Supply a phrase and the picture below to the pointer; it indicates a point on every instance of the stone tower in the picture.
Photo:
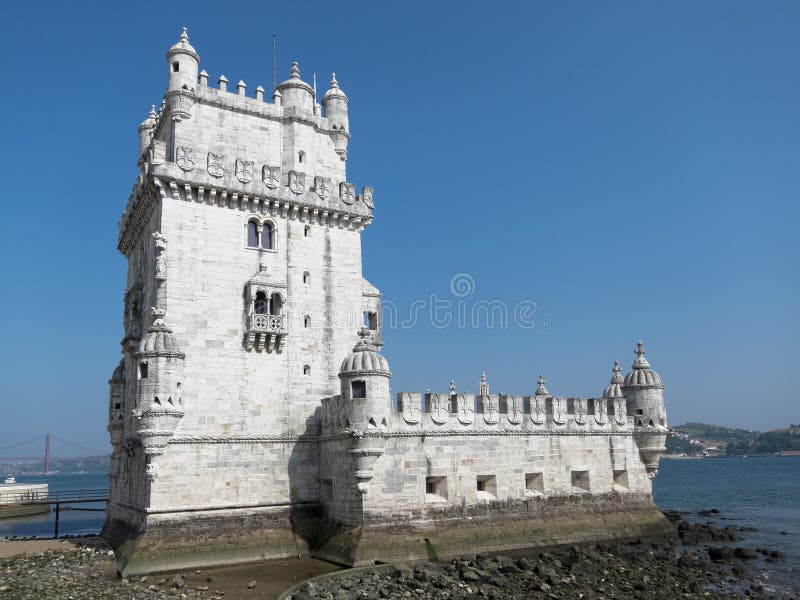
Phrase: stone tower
(244, 291)
(644, 392)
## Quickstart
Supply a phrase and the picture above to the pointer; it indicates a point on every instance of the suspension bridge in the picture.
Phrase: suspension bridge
(23, 451)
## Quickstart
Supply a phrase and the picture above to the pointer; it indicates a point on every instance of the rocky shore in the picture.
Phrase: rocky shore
(703, 562)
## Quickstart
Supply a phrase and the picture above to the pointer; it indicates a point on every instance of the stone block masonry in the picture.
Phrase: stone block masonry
(251, 416)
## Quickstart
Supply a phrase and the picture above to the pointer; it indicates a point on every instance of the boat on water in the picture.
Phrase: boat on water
(22, 499)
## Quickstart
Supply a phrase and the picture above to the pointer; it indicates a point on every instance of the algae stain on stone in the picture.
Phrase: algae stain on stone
(431, 551)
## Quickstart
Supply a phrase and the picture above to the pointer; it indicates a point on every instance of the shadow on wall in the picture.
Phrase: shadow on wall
(307, 512)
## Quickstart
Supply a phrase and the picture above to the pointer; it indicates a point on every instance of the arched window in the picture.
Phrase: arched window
(306, 370)
(260, 306)
(266, 236)
(301, 156)
(307, 231)
(306, 277)
(275, 304)
(252, 234)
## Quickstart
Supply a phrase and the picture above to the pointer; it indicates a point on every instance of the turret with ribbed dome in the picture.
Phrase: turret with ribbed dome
(183, 63)
(335, 103)
(365, 358)
(158, 399)
(644, 394)
(296, 93)
(364, 377)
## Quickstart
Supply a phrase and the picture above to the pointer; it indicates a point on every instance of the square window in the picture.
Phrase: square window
(534, 484)
(580, 481)
(435, 489)
(486, 487)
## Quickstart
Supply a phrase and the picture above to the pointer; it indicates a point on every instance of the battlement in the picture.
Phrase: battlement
(464, 413)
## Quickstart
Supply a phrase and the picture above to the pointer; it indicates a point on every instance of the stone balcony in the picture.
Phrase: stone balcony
(266, 332)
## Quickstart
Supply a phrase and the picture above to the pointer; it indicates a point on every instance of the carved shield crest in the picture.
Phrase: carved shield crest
(600, 411)
(271, 176)
(366, 196)
(347, 192)
(491, 409)
(184, 157)
(466, 409)
(158, 152)
(538, 413)
(514, 415)
(322, 186)
(620, 408)
(559, 411)
(440, 408)
(297, 182)
(216, 167)
(411, 414)
(580, 411)
(244, 170)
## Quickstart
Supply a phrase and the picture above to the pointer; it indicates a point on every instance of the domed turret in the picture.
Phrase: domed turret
(335, 102)
(159, 405)
(146, 131)
(183, 63)
(365, 358)
(644, 393)
(366, 405)
(614, 389)
(364, 377)
(116, 404)
(296, 93)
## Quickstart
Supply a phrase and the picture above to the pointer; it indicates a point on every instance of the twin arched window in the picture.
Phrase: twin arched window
(260, 235)
(267, 306)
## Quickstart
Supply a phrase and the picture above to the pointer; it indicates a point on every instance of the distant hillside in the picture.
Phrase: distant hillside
(701, 439)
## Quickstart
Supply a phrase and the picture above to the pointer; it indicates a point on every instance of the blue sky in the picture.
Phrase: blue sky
(629, 167)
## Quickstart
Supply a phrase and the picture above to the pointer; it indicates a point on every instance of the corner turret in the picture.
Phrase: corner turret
(335, 103)
(364, 377)
(146, 132)
(296, 93)
(159, 405)
(644, 393)
(183, 63)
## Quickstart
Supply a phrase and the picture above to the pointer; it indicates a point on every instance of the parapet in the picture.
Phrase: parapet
(470, 413)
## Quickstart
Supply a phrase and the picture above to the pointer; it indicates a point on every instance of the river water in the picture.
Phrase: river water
(763, 493)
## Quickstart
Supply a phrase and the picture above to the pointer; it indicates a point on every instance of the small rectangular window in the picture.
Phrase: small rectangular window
(175, 67)
(435, 489)
(486, 487)
(359, 389)
(117, 406)
(143, 370)
(620, 481)
(580, 481)
(534, 484)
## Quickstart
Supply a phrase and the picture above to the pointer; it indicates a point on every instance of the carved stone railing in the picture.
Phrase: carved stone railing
(266, 332)
(267, 323)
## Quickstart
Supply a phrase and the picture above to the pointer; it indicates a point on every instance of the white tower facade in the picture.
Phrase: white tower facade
(244, 291)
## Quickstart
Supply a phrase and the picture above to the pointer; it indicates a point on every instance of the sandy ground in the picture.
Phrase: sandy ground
(26, 547)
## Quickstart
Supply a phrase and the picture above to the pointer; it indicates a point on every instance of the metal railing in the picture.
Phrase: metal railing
(61, 497)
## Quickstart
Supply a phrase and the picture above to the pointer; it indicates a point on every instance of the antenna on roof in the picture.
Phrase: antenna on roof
(274, 61)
